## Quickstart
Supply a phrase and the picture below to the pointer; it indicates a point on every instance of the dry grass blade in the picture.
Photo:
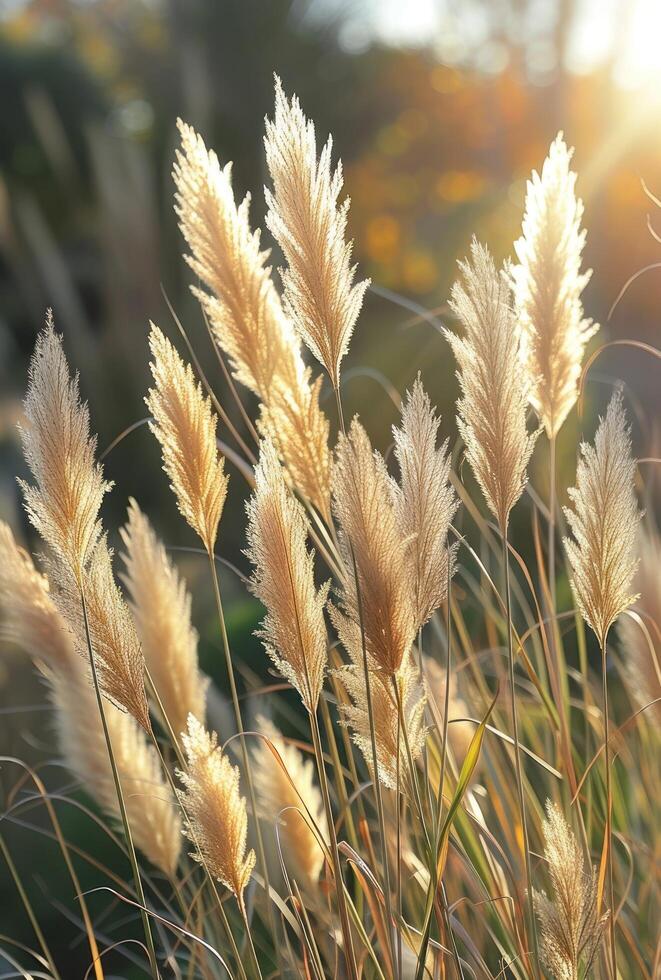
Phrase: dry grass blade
(30, 619)
(161, 606)
(185, 426)
(246, 315)
(425, 503)
(604, 522)
(151, 808)
(548, 283)
(304, 217)
(64, 502)
(280, 802)
(570, 922)
(492, 409)
(363, 503)
(117, 653)
(294, 631)
(216, 809)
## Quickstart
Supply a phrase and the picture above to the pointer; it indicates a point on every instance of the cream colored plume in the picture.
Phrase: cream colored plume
(373, 538)
(185, 426)
(28, 616)
(33, 622)
(304, 217)
(492, 410)
(384, 706)
(64, 502)
(425, 502)
(216, 809)
(570, 922)
(117, 653)
(152, 811)
(294, 631)
(548, 283)
(279, 804)
(161, 606)
(643, 663)
(246, 316)
(604, 524)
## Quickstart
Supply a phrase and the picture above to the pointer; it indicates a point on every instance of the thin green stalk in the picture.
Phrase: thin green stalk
(246, 924)
(335, 854)
(551, 555)
(244, 749)
(151, 952)
(517, 758)
(28, 908)
(609, 806)
(370, 716)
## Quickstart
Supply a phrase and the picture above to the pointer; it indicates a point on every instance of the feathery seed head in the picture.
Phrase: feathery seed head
(246, 315)
(492, 410)
(425, 503)
(570, 921)
(304, 217)
(152, 812)
(28, 616)
(374, 540)
(293, 630)
(547, 284)
(384, 707)
(161, 606)
(216, 810)
(63, 504)
(604, 523)
(185, 426)
(279, 802)
(118, 657)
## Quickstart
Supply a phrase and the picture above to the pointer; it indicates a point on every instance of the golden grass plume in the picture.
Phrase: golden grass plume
(64, 502)
(385, 712)
(29, 618)
(604, 523)
(161, 606)
(373, 538)
(246, 315)
(152, 812)
(117, 653)
(279, 802)
(570, 923)
(293, 630)
(425, 502)
(185, 426)
(494, 394)
(216, 810)
(304, 217)
(547, 284)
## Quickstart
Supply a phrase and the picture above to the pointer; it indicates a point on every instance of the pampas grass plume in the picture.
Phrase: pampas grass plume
(216, 810)
(161, 606)
(547, 284)
(604, 523)
(185, 426)
(294, 631)
(304, 217)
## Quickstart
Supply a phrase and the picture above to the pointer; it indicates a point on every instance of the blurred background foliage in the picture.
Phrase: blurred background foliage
(439, 110)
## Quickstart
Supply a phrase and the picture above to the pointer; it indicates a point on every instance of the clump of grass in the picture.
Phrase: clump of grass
(391, 600)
